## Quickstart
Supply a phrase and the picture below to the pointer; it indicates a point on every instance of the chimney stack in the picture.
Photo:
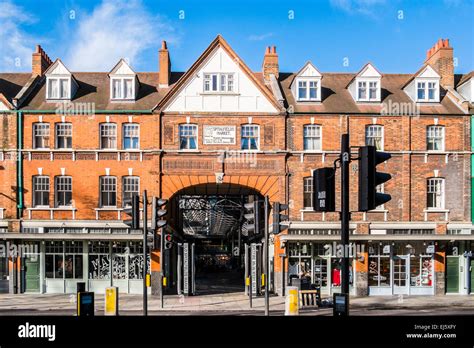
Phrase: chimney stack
(270, 63)
(440, 57)
(164, 66)
(40, 61)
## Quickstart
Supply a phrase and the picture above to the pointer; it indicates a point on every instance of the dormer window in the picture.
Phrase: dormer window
(218, 82)
(367, 90)
(123, 88)
(58, 88)
(308, 90)
(427, 90)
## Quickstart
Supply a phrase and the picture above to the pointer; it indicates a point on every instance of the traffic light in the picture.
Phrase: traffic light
(251, 209)
(324, 196)
(168, 242)
(278, 217)
(369, 178)
(157, 213)
(132, 209)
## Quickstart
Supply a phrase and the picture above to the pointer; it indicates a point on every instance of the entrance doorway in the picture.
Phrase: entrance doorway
(210, 217)
(452, 274)
(32, 273)
(400, 275)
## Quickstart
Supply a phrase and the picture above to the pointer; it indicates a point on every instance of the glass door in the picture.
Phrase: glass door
(400, 275)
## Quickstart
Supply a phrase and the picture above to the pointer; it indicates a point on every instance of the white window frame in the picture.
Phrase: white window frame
(367, 82)
(314, 126)
(367, 137)
(101, 191)
(443, 137)
(195, 127)
(122, 88)
(57, 183)
(137, 129)
(225, 83)
(102, 134)
(307, 87)
(430, 183)
(37, 130)
(426, 90)
(255, 126)
(57, 130)
(126, 184)
(308, 182)
(36, 177)
(62, 94)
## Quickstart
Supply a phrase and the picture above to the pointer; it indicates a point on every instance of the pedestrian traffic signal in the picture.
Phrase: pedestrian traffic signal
(278, 217)
(324, 195)
(158, 213)
(132, 209)
(369, 178)
(251, 209)
(168, 241)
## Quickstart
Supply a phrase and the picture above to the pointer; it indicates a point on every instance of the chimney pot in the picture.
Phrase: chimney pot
(270, 63)
(39, 61)
(440, 57)
(274, 50)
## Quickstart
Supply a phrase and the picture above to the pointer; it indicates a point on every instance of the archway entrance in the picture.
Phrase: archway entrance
(211, 232)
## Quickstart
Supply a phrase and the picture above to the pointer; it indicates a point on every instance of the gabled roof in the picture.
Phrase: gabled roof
(305, 66)
(361, 71)
(53, 66)
(419, 72)
(465, 78)
(119, 64)
(11, 84)
(218, 42)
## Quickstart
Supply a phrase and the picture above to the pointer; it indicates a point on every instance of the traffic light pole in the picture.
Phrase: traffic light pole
(145, 254)
(266, 259)
(345, 213)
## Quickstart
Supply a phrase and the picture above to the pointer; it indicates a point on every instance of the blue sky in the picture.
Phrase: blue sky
(92, 36)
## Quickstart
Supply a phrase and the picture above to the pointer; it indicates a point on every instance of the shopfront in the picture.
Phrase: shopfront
(58, 266)
(401, 268)
(317, 266)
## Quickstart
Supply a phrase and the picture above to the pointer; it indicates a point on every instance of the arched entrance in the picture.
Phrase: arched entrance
(210, 231)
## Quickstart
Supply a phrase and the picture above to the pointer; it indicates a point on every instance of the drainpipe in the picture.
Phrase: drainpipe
(19, 167)
(472, 169)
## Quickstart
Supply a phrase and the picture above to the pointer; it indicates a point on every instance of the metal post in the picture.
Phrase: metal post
(345, 214)
(250, 279)
(283, 280)
(111, 266)
(145, 254)
(162, 259)
(246, 267)
(180, 270)
(266, 259)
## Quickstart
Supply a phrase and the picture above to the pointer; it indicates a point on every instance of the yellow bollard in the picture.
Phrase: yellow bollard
(148, 280)
(111, 301)
(292, 301)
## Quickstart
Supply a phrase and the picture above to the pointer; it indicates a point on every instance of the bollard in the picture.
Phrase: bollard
(292, 301)
(111, 301)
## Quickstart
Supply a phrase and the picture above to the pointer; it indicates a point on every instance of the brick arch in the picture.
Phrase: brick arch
(271, 185)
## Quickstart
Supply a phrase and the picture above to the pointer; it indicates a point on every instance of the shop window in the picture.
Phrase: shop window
(54, 260)
(73, 260)
(119, 257)
(421, 270)
(379, 267)
(99, 260)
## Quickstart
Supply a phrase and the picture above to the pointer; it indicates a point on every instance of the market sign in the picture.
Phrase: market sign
(219, 135)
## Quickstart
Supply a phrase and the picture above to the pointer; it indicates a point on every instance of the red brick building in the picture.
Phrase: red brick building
(76, 144)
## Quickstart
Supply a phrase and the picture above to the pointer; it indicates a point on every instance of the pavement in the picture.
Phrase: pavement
(235, 304)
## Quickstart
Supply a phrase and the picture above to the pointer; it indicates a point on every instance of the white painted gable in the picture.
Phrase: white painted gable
(3, 107)
(309, 70)
(246, 96)
(58, 68)
(369, 71)
(428, 72)
(122, 68)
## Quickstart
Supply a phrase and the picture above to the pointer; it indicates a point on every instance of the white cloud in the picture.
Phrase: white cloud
(260, 37)
(16, 44)
(113, 30)
(357, 6)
